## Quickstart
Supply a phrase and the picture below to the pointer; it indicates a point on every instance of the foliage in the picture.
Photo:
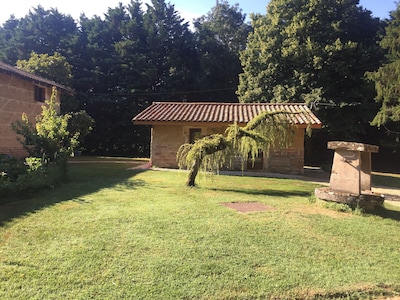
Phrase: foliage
(10, 168)
(315, 52)
(312, 51)
(19, 177)
(268, 129)
(40, 31)
(80, 124)
(386, 79)
(137, 53)
(113, 233)
(54, 67)
(49, 139)
(127, 60)
(49, 143)
(220, 35)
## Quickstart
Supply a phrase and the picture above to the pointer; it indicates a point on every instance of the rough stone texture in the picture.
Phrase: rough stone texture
(287, 161)
(369, 201)
(351, 169)
(352, 146)
(350, 180)
(166, 140)
(345, 173)
(16, 98)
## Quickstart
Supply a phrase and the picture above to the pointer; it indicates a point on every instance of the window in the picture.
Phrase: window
(194, 134)
(257, 164)
(40, 93)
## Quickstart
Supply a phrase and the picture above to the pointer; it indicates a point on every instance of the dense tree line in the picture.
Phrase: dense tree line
(316, 52)
(133, 55)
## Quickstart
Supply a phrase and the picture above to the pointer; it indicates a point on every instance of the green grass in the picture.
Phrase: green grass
(108, 159)
(386, 179)
(112, 233)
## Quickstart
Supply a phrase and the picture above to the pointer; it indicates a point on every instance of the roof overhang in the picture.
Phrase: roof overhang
(10, 70)
(222, 114)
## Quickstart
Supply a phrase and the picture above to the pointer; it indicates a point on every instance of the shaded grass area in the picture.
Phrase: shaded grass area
(386, 179)
(107, 159)
(112, 233)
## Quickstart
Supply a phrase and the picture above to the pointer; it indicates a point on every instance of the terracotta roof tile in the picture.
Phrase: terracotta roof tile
(195, 112)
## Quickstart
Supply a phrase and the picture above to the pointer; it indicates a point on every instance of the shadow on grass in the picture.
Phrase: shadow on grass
(386, 179)
(378, 292)
(387, 213)
(82, 179)
(266, 192)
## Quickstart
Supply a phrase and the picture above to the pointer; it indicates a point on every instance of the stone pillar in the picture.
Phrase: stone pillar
(351, 169)
(350, 181)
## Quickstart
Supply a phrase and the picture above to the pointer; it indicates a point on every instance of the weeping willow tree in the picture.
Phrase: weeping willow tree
(268, 129)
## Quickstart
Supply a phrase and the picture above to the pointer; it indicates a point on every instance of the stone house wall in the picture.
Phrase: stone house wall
(288, 161)
(17, 96)
(166, 140)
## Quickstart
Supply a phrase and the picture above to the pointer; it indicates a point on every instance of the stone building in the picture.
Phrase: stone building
(21, 92)
(173, 124)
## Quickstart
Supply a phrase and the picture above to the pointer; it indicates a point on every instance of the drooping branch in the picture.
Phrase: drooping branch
(193, 154)
(265, 130)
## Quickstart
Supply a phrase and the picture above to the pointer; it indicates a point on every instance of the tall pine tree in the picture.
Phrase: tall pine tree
(387, 79)
(220, 36)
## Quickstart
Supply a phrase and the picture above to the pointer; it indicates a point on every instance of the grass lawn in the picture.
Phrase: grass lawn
(112, 233)
(386, 179)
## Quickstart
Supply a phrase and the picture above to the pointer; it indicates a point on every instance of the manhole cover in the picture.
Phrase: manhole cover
(245, 207)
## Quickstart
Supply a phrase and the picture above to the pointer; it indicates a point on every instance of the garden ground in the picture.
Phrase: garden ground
(113, 233)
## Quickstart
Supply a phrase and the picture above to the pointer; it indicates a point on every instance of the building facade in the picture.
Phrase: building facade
(173, 124)
(21, 93)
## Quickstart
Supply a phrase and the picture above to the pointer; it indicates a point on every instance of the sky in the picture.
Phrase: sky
(188, 9)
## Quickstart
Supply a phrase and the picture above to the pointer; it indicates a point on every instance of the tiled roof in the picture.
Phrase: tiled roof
(241, 113)
(4, 68)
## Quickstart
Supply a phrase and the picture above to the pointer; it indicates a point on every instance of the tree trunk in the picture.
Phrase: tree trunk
(194, 169)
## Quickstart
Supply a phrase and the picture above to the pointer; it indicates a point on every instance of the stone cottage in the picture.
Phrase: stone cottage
(173, 124)
(21, 92)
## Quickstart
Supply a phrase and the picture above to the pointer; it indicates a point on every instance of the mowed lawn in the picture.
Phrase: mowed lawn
(113, 233)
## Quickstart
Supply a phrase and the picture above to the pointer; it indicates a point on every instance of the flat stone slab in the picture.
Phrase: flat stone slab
(366, 200)
(352, 146)
(246, 207)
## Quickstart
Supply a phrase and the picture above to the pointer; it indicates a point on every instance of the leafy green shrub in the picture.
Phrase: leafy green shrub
(18, 176)
(49, 138)
(49, 144)
(10, 168)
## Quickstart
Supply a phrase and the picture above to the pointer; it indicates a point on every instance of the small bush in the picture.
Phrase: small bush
(10, 168)
(49, 143)
(21, 176)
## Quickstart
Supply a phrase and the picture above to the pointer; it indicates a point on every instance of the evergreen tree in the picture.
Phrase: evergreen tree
(220, 36)
(171, 54)
(125, 61)
(40, 31)
(387, 79)
(315, 52)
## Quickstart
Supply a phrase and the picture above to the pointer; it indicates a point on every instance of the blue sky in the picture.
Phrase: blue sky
(188, 9)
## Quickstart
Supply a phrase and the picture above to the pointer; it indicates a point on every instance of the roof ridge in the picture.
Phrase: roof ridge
(222, 112)
(229, 103)
(18, 72)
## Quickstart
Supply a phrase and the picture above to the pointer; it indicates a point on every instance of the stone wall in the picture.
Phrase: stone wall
(16, 98)
(287, 161)
(166, 140)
